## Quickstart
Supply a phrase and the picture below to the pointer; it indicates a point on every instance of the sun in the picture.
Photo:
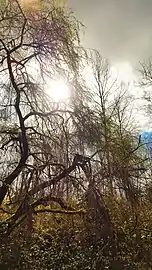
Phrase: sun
(58, 90)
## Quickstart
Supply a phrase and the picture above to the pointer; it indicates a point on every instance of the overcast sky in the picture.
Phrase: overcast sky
(120, 29)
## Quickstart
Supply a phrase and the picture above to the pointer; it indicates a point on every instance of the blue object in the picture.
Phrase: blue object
(146, 138)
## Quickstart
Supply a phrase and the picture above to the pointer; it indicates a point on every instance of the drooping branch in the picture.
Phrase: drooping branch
(54, 112)
(24, 143)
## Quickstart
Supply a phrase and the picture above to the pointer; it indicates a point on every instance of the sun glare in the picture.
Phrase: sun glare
(58, 90)
(30, 4)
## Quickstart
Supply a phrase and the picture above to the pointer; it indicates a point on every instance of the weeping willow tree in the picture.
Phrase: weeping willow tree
(37, 42)
(50, 151)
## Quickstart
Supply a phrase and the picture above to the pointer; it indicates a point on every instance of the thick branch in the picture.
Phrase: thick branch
(55, 211)
(24, 142)
(54, 180)
(77, 161)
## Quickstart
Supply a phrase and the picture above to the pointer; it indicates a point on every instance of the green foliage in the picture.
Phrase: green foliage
(72, 243)
(48, 252)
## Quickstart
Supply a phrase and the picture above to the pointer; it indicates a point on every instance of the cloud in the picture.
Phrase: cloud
(120, 29)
